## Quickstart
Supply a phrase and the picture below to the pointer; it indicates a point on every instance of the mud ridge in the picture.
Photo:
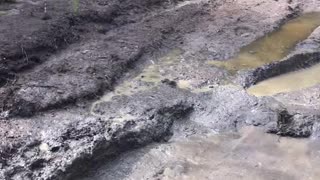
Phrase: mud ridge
(68, 127)
(62, 31)
(304, 55)
(293, 63)
(99, 138)
(100, 79)
(126, 139)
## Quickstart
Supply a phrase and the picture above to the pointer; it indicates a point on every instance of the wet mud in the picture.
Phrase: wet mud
(274, 46)
(226, 156)
(81, 84)
(294, 81)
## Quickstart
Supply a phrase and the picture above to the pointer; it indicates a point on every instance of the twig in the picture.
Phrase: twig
(25, 54)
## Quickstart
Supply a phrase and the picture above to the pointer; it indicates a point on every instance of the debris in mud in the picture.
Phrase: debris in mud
(81, 85)
(169, 82)
(297, 125)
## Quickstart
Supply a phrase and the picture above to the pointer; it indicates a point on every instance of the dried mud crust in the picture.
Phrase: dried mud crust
(68, 59)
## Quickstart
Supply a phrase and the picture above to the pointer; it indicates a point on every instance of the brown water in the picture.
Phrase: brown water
(274, 46)
(248, 155)
(288, 82)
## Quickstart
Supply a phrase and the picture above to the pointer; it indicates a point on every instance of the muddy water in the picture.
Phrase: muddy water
(273, 46)
(250, 155)
(170, 66)
(150, 77)
(288, 82)
(2, 13)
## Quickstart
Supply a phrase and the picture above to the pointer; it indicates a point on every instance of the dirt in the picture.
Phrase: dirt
(226, 156)
(81, 84)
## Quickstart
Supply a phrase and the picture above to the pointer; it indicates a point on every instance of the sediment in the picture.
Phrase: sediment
(55, 66)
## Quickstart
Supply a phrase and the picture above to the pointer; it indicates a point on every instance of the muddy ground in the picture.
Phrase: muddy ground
(82, 83)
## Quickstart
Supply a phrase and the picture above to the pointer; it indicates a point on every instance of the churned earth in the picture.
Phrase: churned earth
(240, 155)
(151, 89)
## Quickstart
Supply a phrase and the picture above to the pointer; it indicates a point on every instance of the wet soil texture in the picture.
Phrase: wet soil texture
(82, 82)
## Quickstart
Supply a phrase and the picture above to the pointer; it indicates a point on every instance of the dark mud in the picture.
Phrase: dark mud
(85, 63)
(59, 65)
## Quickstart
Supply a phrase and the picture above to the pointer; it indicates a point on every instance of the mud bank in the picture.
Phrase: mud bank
(273, 46)
(304, 55)
(226, 156)
(79, 88)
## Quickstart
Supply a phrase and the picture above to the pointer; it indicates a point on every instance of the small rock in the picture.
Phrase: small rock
(245, 35)
(85, 51)
(44, 147)
(60, 91)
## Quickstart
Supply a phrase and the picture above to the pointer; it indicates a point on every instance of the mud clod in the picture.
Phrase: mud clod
(79, 86)
(294, 125)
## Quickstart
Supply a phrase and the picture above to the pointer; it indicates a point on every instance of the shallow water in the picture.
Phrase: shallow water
(274, 46)
(149, 78)
(2, 13)
(288, 82)
(169, 66)
(250, 155)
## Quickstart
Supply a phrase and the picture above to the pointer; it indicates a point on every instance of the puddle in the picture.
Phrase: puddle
(171, 66)
(273, 46)
(2, 13)
(250, 154)
(288, 82)
(150, 77)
